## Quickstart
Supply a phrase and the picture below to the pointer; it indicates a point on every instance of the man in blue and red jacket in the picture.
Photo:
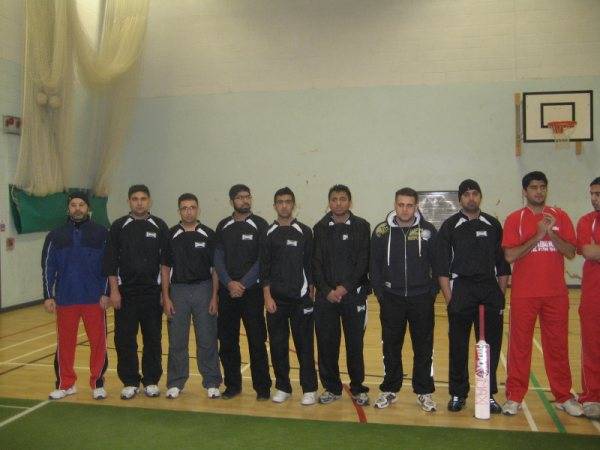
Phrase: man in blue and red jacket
(74, 288)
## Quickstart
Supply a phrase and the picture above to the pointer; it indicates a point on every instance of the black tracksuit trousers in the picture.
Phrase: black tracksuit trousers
(352, 312)
(463, 313)
(296, 314)
(396, 312)
(250, 309)
(139, 311)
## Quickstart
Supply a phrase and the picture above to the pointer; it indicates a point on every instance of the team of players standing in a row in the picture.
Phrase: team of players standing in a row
(320, 281)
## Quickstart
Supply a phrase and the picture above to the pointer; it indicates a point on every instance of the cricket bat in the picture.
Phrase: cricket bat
(482, 371)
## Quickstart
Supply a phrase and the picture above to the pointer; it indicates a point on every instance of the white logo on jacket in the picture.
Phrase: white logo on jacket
(544, 246)
(247, 237)
(150, 234)
(199, 244)
(292, 243)
(481, 233)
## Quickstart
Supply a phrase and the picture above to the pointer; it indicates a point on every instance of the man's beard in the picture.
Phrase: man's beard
(78, 218)
(242, 210)
(471, 208)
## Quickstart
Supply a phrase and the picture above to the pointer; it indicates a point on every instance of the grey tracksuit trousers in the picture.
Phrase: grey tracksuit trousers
(191, 302)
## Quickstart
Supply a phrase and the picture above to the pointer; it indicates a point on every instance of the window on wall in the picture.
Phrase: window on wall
(90, 14)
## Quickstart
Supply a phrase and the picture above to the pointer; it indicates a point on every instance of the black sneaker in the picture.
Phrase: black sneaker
(263, 396)
(495, 408)
(456, 403)
(229, 393)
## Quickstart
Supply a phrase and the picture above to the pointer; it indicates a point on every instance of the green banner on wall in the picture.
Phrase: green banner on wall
(33, 214)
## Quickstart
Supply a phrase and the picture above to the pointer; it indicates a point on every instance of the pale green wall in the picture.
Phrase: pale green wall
(21, 270)
(373, 139)
(209, 115)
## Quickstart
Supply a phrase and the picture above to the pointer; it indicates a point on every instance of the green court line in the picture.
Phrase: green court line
(549, 408)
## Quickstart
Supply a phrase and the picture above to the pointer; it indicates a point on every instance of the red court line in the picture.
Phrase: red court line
(28, 329)
(360, 412)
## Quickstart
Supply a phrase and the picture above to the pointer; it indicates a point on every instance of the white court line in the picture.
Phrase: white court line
(39, 349)
(537, 345)
(24, 413)
(13, 407)
(526, 411)
(37, 337)
(52, 365)
(195, 374)
(528, 416)
(28, 340)
(108, 369)
(595, 423)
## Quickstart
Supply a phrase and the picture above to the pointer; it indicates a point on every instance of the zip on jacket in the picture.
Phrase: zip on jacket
(402, 257)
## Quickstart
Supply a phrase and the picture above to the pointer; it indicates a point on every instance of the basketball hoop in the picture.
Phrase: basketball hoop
(562, 131)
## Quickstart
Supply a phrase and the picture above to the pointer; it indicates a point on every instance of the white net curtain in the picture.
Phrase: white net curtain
(55, 42)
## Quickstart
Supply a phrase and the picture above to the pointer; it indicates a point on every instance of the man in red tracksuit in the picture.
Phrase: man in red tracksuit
(75, 289)
(588, 245)
(537, 238)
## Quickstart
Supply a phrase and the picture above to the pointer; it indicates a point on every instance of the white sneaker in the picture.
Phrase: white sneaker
(572, 407)
(361, 399)
(511, 408)
(385, 399)
(128, 392)
(151, 390)
(327, 397)
(99, 393)
(57, 394)
(172, 392)
(591, 410)
(213, 392)
(280, 396)
(426, 402)
(309, 398)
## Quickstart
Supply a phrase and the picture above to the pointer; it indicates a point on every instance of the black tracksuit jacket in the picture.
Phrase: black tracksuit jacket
(470, 248)
(134, 253)
(341, 254)
(238, 243)
(285, 260)
(402, 258)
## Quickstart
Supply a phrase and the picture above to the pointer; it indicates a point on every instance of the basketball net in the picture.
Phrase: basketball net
(562, 132)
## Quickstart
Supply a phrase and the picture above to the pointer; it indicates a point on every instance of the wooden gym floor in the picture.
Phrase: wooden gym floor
(27, 345)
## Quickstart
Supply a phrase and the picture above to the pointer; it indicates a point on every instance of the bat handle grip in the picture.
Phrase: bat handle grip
(481, 323)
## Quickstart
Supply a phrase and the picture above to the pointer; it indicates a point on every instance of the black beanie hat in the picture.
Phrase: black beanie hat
(81, 195)
(468, 185)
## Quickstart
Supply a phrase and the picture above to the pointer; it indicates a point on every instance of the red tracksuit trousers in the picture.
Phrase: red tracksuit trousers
(589, 314)
(67, 325)
(554, 319)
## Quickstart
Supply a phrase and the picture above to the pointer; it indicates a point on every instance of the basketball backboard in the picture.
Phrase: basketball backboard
(540, 108)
